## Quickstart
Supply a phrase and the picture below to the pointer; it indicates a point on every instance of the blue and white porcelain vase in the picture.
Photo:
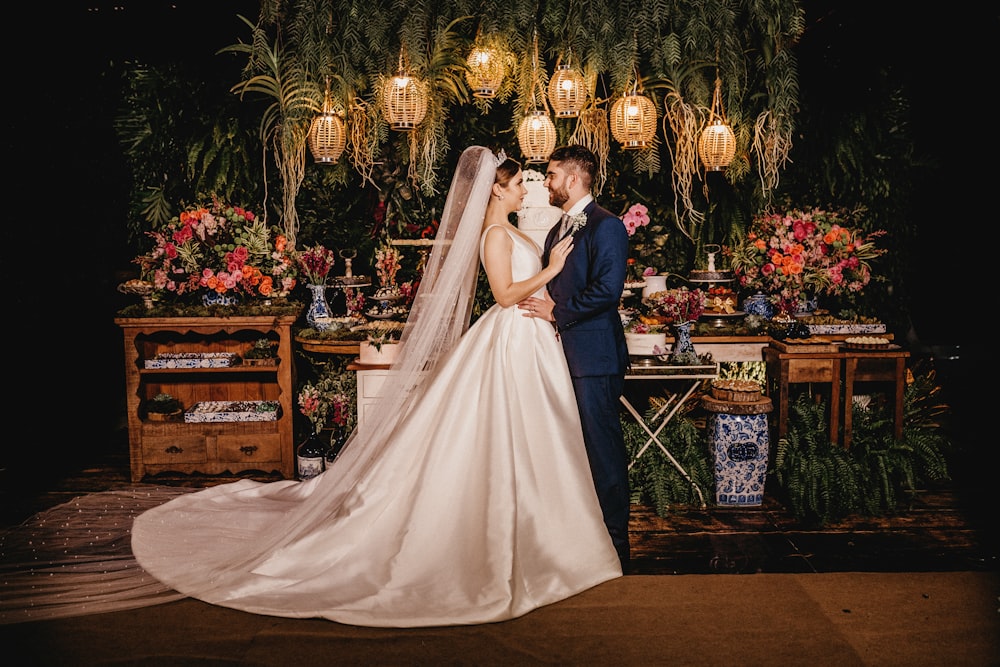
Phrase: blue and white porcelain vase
(740, 445)
(682, 353)
(758, 304)
(213, 298)
(319, 316)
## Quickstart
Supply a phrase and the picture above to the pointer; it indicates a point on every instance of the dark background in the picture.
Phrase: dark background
(65, 249)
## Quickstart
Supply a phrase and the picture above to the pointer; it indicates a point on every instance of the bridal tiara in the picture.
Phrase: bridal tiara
(501, 157)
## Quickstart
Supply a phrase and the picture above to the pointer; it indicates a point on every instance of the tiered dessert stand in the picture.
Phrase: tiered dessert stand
(710, 278)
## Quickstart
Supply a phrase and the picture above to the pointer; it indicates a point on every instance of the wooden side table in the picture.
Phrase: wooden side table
(785, 368)
(874, 366)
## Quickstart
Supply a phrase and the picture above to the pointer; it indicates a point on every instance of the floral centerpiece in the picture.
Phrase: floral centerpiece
(387, 265)
(795, 254)
(327, 403)
(679, 307)
(218, 248)
(648, 240)
(315, 263)
(675, 306)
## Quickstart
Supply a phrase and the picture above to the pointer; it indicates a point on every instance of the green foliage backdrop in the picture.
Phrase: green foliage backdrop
(392, 184)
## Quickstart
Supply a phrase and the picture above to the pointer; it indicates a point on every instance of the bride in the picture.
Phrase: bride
(465, 498)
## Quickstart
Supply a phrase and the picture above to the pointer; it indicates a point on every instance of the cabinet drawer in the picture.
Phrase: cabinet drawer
(812, 370)
(174, 449)
(370, 383)
(248, 448)
(364, 407)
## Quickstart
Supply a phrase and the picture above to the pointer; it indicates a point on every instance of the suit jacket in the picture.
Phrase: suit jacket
(587, 293)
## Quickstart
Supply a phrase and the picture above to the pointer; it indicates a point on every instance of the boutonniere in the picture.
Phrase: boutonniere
(578, 220)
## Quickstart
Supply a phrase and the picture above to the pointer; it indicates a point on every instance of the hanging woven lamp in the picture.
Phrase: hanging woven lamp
(405, 100)
(537, 136)
(567, 91)
(485, 71)
(633, 121)
(327, 136)
(717, 144)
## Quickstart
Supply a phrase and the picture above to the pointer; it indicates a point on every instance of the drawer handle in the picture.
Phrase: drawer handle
(173, 449)
(249, 450)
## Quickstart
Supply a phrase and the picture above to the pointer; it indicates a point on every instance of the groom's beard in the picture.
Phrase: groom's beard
(558, 197)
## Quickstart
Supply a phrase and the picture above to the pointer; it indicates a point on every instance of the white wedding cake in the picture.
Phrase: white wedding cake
(536, 216)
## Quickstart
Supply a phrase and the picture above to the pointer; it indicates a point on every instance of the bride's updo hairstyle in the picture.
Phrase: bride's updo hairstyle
(507, 170)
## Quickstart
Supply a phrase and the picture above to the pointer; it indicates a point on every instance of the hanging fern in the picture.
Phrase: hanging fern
(747, 42)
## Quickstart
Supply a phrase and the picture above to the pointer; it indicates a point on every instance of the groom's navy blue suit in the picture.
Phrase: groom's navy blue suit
(587, 293)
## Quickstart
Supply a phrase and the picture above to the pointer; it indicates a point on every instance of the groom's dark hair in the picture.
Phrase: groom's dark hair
(581, 157)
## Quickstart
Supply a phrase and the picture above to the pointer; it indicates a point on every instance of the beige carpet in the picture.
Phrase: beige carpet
(841, 619)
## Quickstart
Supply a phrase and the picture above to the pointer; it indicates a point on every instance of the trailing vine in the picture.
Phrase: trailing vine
(747, 41)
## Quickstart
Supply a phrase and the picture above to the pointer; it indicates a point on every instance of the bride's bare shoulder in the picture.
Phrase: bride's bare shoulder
(497, 230)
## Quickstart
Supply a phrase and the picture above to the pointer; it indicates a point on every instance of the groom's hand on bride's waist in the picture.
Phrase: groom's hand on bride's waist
(537, 308)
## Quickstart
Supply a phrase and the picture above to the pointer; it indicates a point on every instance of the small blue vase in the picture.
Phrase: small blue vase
(683, 353)
(759, 304)
(213, 298)
(319, 316)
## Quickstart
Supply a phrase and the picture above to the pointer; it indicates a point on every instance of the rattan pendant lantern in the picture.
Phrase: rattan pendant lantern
(537, 134)
(327, 136)
(717, 144)
(633, 120)
(485, 71)
(567, 91)
(404, 100)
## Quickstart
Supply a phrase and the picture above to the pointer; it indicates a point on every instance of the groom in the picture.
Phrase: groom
(584, 307)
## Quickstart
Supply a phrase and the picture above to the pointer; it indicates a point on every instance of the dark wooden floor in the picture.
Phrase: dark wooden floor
(949, 528)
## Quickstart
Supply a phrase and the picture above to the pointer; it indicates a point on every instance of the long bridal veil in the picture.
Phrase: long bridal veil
(76, 558)
(442, 306)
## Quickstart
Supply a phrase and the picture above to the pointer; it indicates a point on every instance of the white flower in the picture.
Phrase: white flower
(578, 220)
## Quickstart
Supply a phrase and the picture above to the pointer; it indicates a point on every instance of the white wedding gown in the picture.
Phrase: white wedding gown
(482, 508)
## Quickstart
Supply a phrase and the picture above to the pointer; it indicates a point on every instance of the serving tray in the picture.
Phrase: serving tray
(193, 360)
(232, 411)
(811, 345)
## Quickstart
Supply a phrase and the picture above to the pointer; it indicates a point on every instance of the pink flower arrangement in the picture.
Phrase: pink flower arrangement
(637, 216)
(326, 403)
(221, 248)
(796, 253)
(676, 305)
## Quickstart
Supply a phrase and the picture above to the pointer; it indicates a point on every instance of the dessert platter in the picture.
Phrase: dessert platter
(385, 305)
(351, 281)
(141, 288)
(736, 391)
(721, 306)
(866, 343)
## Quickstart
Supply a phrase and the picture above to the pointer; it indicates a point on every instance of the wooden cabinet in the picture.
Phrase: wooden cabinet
(208, 447)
